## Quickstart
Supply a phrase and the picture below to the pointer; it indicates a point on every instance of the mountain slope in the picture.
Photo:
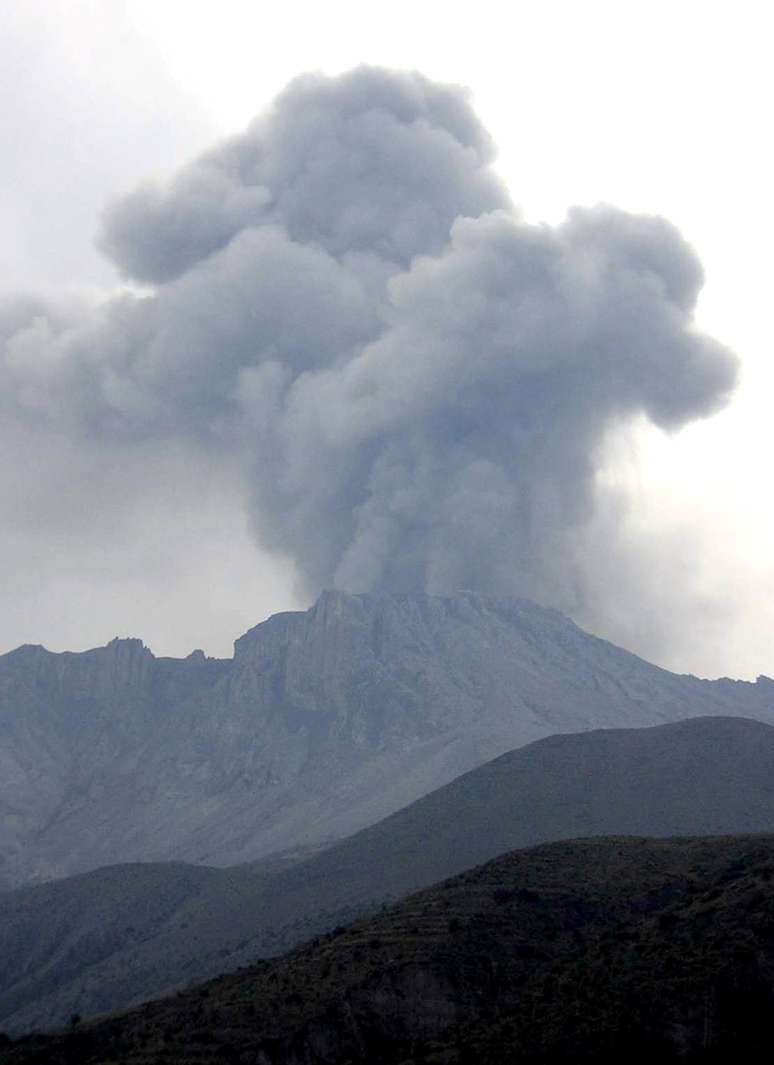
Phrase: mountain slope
(589, 951)
(323, 722)
(106, 939)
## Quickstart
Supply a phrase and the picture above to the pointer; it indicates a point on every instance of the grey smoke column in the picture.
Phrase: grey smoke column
(416, 383)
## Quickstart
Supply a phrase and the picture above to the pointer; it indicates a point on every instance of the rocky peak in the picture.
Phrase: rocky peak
(123, 663)
(366, 620)
(324, 721)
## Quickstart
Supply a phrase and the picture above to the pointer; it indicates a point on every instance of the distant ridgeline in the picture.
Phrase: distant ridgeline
(323, 722)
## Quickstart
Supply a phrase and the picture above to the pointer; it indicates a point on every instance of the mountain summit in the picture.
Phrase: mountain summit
(323, 722)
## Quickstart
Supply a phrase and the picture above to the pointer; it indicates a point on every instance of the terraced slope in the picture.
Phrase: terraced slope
(110, 938)
(602, 951)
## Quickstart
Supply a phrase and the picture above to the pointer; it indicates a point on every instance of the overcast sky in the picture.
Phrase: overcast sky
(659, 108)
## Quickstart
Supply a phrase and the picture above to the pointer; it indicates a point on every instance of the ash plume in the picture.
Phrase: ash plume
(414, 383)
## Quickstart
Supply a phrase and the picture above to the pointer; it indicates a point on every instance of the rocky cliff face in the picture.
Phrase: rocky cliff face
(323, 722)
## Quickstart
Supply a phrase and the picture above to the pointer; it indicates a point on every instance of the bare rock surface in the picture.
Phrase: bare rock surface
(323, 722)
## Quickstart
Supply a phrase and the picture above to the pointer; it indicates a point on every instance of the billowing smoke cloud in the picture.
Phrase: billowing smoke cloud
(343, 301)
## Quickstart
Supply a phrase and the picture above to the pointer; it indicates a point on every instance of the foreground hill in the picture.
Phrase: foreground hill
(322, 723)
(107, 939)
(597, 951)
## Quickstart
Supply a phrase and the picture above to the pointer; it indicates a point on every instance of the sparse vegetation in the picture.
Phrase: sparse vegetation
(594, 951)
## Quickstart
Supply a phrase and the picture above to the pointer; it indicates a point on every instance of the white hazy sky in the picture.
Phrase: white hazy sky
(652, 106)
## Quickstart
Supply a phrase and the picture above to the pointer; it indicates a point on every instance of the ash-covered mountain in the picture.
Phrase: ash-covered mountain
(323, 722)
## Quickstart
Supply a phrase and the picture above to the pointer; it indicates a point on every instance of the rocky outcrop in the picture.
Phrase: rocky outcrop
(323, 722)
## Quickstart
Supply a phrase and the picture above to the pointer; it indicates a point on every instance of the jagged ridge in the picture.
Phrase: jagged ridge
(323, 722)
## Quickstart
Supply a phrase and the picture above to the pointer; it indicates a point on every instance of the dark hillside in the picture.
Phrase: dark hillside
(587, 951)
(117, 936)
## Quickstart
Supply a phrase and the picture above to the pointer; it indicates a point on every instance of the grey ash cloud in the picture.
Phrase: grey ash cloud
(414, 383)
